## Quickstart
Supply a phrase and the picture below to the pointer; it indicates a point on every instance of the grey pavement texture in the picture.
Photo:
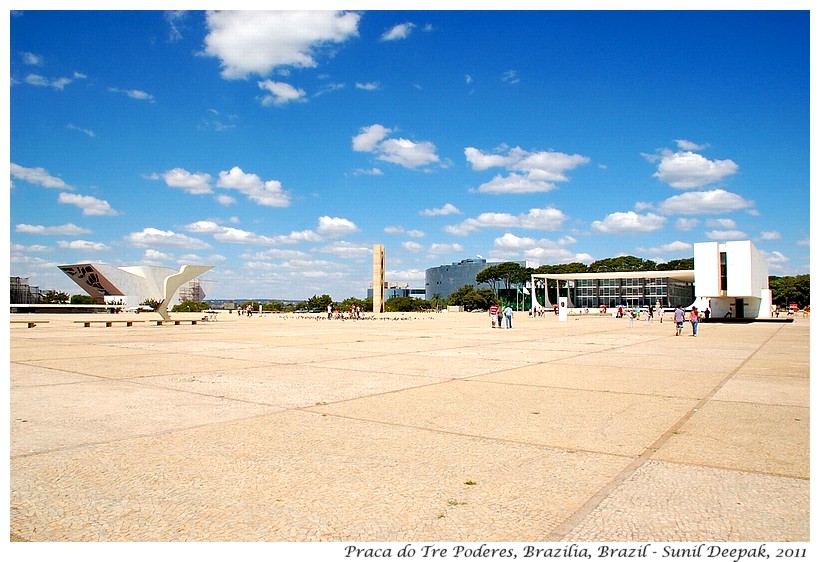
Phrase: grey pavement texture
(407, 428)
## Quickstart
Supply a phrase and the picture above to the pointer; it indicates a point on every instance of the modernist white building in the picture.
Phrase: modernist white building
(730, 279)
(132, 285)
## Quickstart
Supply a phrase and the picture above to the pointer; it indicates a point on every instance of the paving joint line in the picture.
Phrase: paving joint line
(559, 532)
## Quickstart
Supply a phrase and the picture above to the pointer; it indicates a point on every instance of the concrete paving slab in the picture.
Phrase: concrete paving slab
(279, 352)
(145, 364)
(341, 480)
(765, 438)
(679, 503)
(514, 355)
(21, 374)
(439, 365)
(290, 386)
(651, 356)
(186, 345)
(613, 423)
(70, 415)
(46, 349)
(650, 378)
(766, 389)
(775, 368)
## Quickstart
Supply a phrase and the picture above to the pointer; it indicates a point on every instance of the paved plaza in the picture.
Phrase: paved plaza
(408, 428)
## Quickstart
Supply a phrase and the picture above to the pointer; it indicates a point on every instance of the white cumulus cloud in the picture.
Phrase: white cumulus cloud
(530, 172)
(68, 229)
(715, 201)
(688, 170)
(630, 221)
(268, 193)
(155, 237)
(255, 42)
(404, 152)
(37, 176)
(725, 234)
(548, 218)
(770, 235)
(447, 209)
(369, 138)
(196, 184)
(675, 247)
(510, 246)
(82, 245)
(398, 31)
(335, 226)
(280, 93)
(91, 206)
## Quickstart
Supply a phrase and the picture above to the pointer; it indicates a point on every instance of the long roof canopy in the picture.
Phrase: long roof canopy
(687, 275)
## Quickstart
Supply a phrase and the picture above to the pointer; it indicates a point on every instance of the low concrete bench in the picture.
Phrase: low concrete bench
(177, 322)
(30, 323)
(108, 323)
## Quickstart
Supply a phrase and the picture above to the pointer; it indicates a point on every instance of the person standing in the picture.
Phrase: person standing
(494, 313)
(679, 316)
(693, 319)
(508, 314)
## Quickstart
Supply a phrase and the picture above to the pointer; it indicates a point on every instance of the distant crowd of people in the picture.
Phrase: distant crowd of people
(355, 313)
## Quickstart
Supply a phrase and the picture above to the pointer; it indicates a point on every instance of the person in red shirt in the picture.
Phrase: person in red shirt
(494, 313)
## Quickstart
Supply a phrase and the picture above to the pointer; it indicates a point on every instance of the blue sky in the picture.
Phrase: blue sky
(280, 147)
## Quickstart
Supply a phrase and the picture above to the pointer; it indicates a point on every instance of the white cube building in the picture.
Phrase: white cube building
(732, 279)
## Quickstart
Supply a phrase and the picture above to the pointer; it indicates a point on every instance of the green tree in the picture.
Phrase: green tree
(458, 296)
(364, 304)
(509, 273)
(190, 306)
(471, 298)
(319, 302)
(83, 299)
(574, 267)
(153, 303)
(791, 289)
(437, 302)
(480, 298)
(273, 306)
(502, 275)
(622, 263)
(54, 297)
(399, 304)
(681, 264)
(489, 275)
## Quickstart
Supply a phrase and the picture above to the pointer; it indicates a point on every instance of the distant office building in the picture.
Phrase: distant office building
(445, 280)
(393, 290)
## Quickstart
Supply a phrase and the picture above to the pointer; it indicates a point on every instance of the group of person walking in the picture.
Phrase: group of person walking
(680, 318)
(497, 314)
(499, 317)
